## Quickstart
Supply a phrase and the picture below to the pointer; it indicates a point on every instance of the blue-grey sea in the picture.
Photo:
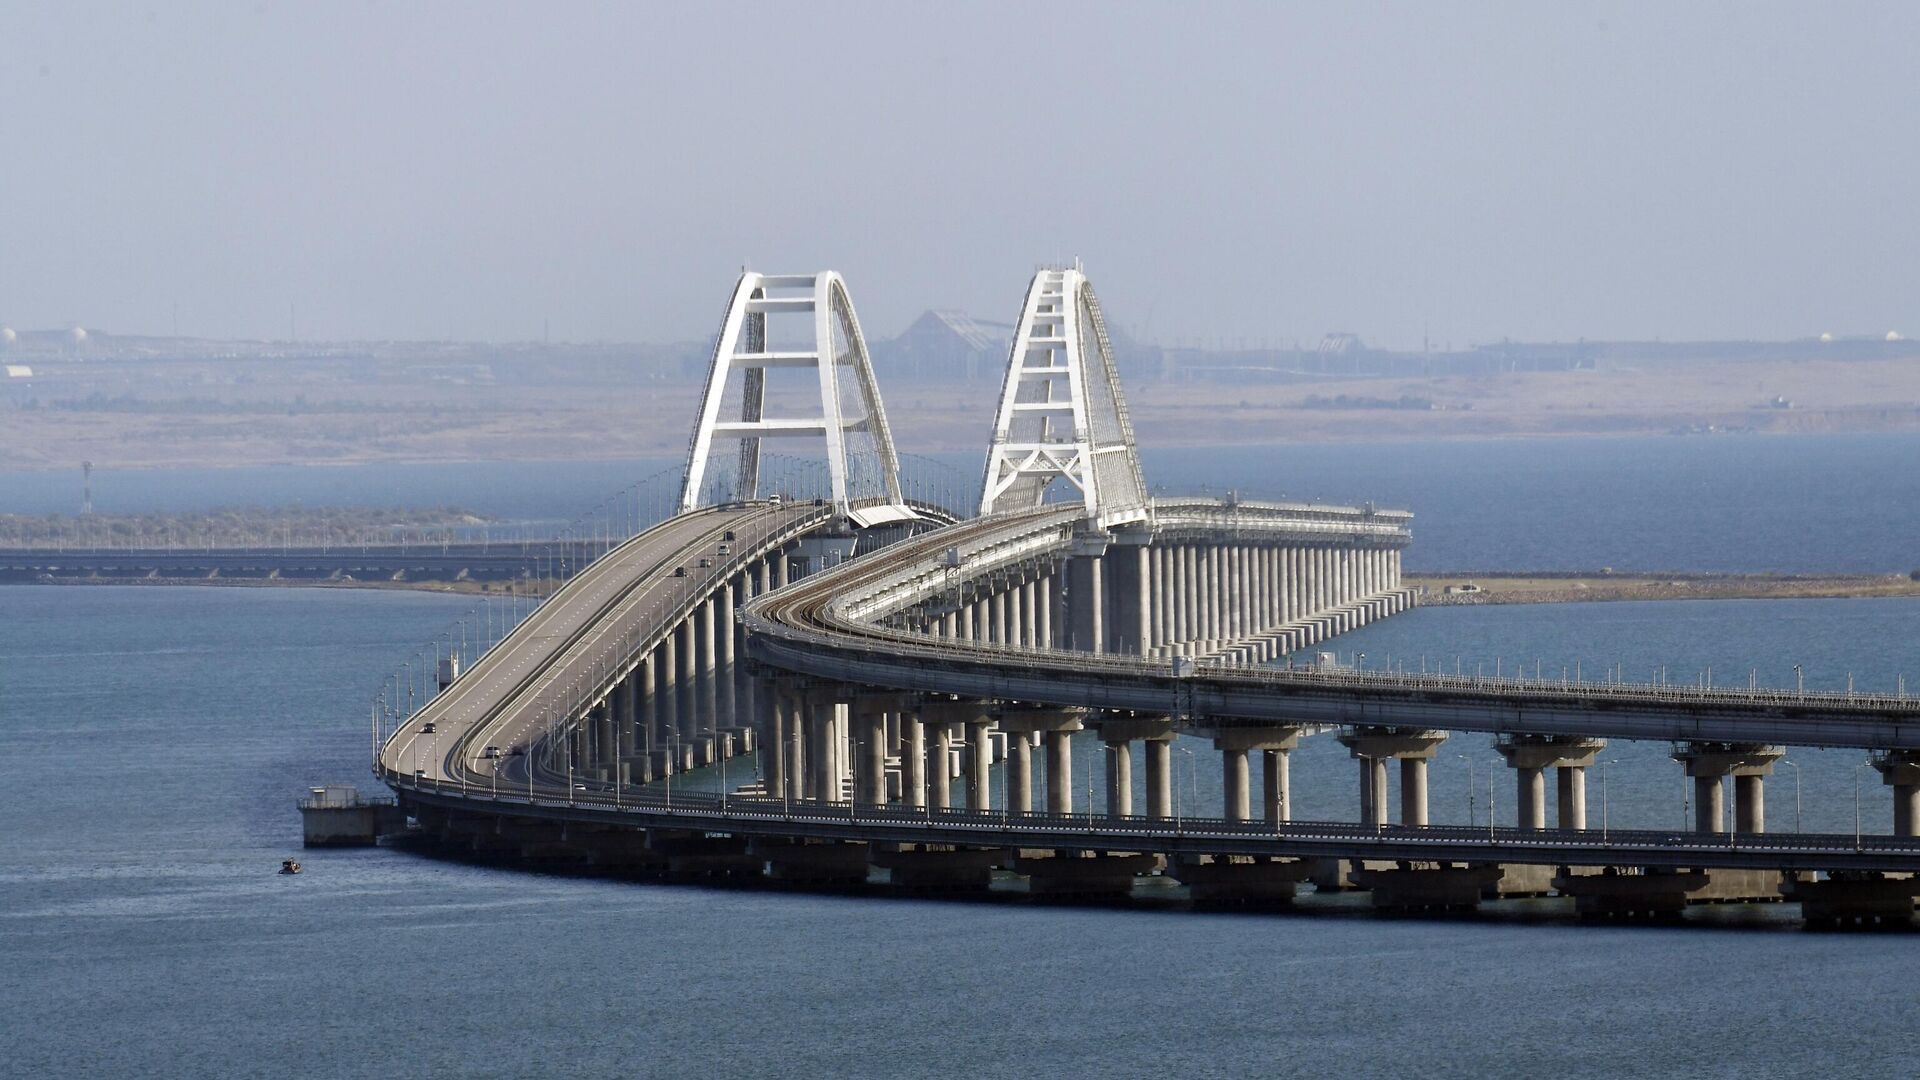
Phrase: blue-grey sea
(152, 741)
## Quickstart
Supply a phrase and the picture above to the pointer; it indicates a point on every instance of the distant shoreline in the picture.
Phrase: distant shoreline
(1494, 588)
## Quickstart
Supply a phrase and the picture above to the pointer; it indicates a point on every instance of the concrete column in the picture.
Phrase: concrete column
(1573, 796)
(779, 566)
(1530, 757)
(644, 681)
(728, 705)
(1530, 796)
(773, 746)
(913, 760)
(1749, 804)
(706, 665)
(1413, 791)
(1373, 791)
(1709, 804)
(1159, 778)
(979, 757)
(1234, 783)
(667, 689)
(1047, 593)
(1279, 802)
(1177, 603)
(872, 781)
(1747, 763)
(939, 743)
(688, 679)
(1139, 629)
(1059, 772)
(1088, 604)
(996, 618)
(1020, 772)
(1120, 778)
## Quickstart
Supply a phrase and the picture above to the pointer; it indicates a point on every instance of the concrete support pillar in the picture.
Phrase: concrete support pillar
(1235, 784)
(1159, 778)
(1047, 595)
(1138, 630)
(1530, 796)
(1749, 803)
(1707, 763)
(996, 618)
(1120, 778)
(707, 664)
(1020, 772)
(939, 743)
(1530, 756)
(979, 757)
(913, 760)
(1059, 772)
(1413, 791)
(726, 705)
(1088, 603)
(796, 731)
(872, 781)
(666, 704)
(1373, 746)
(778, 561)
(1573, 796)
(1709, 804)
(773, 745)
(1373, 791)
(1279, 797)
(688, 679)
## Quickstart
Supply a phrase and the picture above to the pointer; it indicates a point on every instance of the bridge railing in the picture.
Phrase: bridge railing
(718, 807)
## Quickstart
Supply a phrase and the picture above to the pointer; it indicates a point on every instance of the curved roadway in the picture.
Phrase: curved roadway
(616, 607)
(808, 629)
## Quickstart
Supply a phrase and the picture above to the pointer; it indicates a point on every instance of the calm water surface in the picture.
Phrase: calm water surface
(154, 740)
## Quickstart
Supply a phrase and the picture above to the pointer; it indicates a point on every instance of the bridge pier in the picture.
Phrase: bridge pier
(1087, 593)
(1273, 743)
(1119, 731)
(913, 757)
(1900, 770)
(870, 711)
(1373, 746)
(1056, 727)
(1530, 756)
(1748, 763)
(939, 746)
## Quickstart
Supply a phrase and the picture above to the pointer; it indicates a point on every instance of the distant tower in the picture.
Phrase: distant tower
(86, 487)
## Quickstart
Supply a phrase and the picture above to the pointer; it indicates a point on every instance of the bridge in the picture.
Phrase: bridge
(881, 660)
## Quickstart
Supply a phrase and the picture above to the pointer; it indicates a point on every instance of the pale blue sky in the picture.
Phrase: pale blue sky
(1260, 171)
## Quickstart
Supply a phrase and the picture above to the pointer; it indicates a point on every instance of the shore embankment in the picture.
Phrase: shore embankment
(1522, 587)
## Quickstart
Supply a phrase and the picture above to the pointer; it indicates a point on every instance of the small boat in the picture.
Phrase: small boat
(289, 866)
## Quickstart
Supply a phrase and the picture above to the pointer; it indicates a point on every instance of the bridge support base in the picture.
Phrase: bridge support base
(1427, 886)
(1095, 875)
(938, 869)
(818, 864)
(1854, 902)
(1218, 881)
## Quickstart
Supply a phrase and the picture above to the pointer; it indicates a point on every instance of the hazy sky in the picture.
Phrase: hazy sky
(1258, 172)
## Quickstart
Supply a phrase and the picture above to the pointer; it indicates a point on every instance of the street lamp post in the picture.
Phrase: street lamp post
(1856, 801)
(1795, 766)
(1603, 798)
(1470, 785)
